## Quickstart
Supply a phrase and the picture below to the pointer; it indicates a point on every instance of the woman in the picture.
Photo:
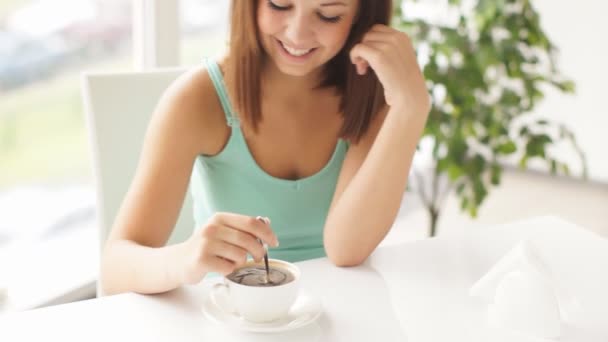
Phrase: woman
(311, 120)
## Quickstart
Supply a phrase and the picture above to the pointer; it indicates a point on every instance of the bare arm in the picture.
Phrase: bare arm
(132, 259)
(374, 174)
(135, 257)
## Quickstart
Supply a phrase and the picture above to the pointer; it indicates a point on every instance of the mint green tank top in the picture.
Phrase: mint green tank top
(232, 181)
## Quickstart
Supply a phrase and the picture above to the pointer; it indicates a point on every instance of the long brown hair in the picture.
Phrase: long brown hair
(361, 96)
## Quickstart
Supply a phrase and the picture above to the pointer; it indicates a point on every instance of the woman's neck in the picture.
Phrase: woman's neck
(291, 89)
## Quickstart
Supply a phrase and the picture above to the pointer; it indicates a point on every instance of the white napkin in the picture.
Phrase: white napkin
(520, 293)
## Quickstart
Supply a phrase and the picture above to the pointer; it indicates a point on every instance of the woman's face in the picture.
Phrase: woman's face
(302, 35)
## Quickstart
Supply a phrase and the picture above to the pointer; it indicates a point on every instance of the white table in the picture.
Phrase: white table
(412, 291)
(61, 278)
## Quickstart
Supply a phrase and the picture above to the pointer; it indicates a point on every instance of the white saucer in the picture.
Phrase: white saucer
(305, 310)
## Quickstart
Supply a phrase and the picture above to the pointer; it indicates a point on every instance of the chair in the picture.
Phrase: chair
(118, 107)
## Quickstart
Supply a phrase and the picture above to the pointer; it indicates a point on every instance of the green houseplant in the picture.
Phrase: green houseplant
(486, 71)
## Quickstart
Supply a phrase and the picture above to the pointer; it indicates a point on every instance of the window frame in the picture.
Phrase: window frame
(156, 34)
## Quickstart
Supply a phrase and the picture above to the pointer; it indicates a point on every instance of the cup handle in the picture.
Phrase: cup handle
(220, 297)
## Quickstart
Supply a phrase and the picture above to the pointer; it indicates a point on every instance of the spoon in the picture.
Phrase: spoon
(267, 278)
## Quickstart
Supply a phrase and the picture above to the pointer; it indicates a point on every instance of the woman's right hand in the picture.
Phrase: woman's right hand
(223, 244)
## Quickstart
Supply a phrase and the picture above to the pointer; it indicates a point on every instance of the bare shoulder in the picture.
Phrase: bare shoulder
(190, 109)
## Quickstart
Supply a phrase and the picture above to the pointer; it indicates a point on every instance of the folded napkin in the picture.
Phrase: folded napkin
(521, 294)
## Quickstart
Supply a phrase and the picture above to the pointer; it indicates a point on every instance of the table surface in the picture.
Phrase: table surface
(66, 278)
(411, 291)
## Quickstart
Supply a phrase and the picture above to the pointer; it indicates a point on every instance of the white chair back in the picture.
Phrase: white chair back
(118, 108)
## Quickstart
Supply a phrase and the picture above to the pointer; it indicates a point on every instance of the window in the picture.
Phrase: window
(46, 189)
(48, 237)
(204, 29)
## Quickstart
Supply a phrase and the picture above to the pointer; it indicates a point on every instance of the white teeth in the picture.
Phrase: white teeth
(295, 52)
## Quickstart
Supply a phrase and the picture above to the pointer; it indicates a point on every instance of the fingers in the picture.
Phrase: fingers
(386, 34)
(263, 219)
(364, 55)
(225, 243)
(377, 43)
(376, 36)
(256, 227)
(222, 266)
(244, 232)
(369, 50)
(230, 252)
(382, 28)
(362, 67)
(242, 240)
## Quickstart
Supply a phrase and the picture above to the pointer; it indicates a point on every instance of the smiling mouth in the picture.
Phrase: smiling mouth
(296, 52)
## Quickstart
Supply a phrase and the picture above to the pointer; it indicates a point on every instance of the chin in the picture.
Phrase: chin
(297, 71)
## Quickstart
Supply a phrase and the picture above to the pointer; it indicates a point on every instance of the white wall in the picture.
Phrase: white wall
(579, 30)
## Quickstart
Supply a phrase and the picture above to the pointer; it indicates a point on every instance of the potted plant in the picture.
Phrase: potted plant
(486, 65)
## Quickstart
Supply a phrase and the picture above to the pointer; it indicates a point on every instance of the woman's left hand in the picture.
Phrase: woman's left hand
(390, 54)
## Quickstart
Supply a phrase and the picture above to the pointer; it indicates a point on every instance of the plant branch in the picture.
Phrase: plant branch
(444, 195)
(435, 186)
(421, 192)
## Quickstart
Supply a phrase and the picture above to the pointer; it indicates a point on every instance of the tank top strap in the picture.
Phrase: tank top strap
(218, 82)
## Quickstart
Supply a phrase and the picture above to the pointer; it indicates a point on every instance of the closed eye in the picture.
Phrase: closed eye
(329, 19)
(277, 7)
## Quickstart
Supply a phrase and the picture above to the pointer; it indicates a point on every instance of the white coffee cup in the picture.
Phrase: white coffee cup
(258, 303)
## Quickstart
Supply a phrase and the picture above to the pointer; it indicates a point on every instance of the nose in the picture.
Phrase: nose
(299, 29)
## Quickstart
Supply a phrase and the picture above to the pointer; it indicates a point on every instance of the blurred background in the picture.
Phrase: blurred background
(48, 239)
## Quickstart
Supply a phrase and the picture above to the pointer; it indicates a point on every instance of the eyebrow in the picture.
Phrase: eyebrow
(333, 4)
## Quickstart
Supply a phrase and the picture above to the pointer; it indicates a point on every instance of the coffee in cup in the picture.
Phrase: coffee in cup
(246, 293)
(255, 275)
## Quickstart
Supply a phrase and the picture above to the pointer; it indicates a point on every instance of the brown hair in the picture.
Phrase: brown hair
(362, 96)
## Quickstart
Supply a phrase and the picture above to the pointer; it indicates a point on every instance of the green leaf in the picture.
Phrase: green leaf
(464, 203)
(565, 86)
(523, 162)
(543, 139)
(460, 188)
(537, 144)
(443, 164)
(473, 211)
(454, 172)
(507, 148)
(495, 174)
(542, 122)
(478, 164)
(479, 189)
(553, 166)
